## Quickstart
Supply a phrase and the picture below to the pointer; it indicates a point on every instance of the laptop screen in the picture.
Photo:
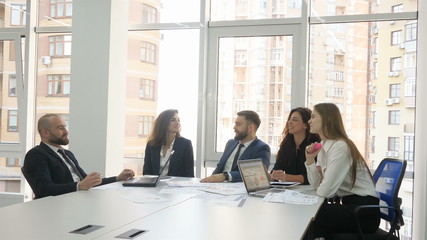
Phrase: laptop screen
(254, 175)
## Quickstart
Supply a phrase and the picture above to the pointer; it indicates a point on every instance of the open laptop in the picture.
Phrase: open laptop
(147, 180)
(144, 181)
(256, 179)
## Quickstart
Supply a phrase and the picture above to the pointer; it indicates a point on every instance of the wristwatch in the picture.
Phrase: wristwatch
(225, 176)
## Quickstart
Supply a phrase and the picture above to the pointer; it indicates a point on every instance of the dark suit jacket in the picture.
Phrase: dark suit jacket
(47, 173)
(257, 149)
(181, 164)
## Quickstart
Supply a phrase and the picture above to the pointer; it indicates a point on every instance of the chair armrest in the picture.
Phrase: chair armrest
(397, 222)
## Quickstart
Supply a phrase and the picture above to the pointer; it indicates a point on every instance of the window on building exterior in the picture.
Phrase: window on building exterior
(12, 123)
(147, 89)
(409, 148)
(393, 144)
(396, 37)
(18, 14)
(61, 8)
(375, 70)
(240, 58)
(148, 52)
(394, 91)
(149, 14)
(58, 84)
(60, 46)
(410, 87)
(335, 92)
(373, 119)
(397, 8)
(411, 32)
(395, 64)
(410, 60)
(373, 144)
(394, 117)
(145, 124)
(12, 162)
(12, 85)
(65, 118)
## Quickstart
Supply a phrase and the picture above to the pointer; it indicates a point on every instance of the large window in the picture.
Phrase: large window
(162, 74)
(254, 80)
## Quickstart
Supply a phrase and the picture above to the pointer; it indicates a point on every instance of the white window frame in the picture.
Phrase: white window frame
(298, 86)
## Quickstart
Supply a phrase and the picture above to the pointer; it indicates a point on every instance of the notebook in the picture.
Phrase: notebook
(147, 181)
(256, 179)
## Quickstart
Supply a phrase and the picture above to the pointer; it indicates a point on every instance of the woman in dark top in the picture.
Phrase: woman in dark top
(291, 157)
(164, 139)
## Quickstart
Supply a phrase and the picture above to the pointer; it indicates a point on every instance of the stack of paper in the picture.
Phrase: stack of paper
(292, 197)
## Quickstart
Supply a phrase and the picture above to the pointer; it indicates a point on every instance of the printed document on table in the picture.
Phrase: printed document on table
(292, 197)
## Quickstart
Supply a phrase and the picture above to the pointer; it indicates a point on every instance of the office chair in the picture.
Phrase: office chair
(10, 198)
(30, 182)
(387, 178)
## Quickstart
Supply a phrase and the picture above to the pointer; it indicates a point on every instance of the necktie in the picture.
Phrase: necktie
(68, 160)
(236, 156)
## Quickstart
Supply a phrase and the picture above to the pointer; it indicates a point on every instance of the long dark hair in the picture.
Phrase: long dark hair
(333, 128)
(287, 145)
(160, 128)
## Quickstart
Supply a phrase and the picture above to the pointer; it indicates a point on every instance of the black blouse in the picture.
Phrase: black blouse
(295, 164)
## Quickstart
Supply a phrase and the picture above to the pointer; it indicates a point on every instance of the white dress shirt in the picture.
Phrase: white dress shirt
(164, 159)
(76, 177)
(334, 161)
(229, 163)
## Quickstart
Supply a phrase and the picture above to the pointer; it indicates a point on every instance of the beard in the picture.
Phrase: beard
(241, 135)
(59, 141)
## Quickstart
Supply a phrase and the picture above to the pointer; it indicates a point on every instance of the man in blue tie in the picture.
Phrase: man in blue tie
(52, 170)
(245, 145)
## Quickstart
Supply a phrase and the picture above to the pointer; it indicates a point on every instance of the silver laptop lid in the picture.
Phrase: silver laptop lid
(254, 175)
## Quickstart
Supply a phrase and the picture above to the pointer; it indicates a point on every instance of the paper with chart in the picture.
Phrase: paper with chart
(292, 197)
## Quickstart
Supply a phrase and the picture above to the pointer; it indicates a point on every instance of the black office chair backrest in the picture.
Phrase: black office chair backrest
(30, 182)
(388, 178)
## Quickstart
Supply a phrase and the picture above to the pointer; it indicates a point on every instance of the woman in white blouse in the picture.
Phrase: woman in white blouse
(340, 175)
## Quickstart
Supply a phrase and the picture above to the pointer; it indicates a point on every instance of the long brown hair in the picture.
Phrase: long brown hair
(159, 133)
(333, 128)
(287, 145)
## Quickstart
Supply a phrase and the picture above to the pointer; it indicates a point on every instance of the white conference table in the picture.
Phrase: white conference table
(182, 216)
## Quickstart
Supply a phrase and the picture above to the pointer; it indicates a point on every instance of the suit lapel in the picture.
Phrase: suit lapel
(248, 150)
(53, 155)
(230, 149)
(156, 159)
